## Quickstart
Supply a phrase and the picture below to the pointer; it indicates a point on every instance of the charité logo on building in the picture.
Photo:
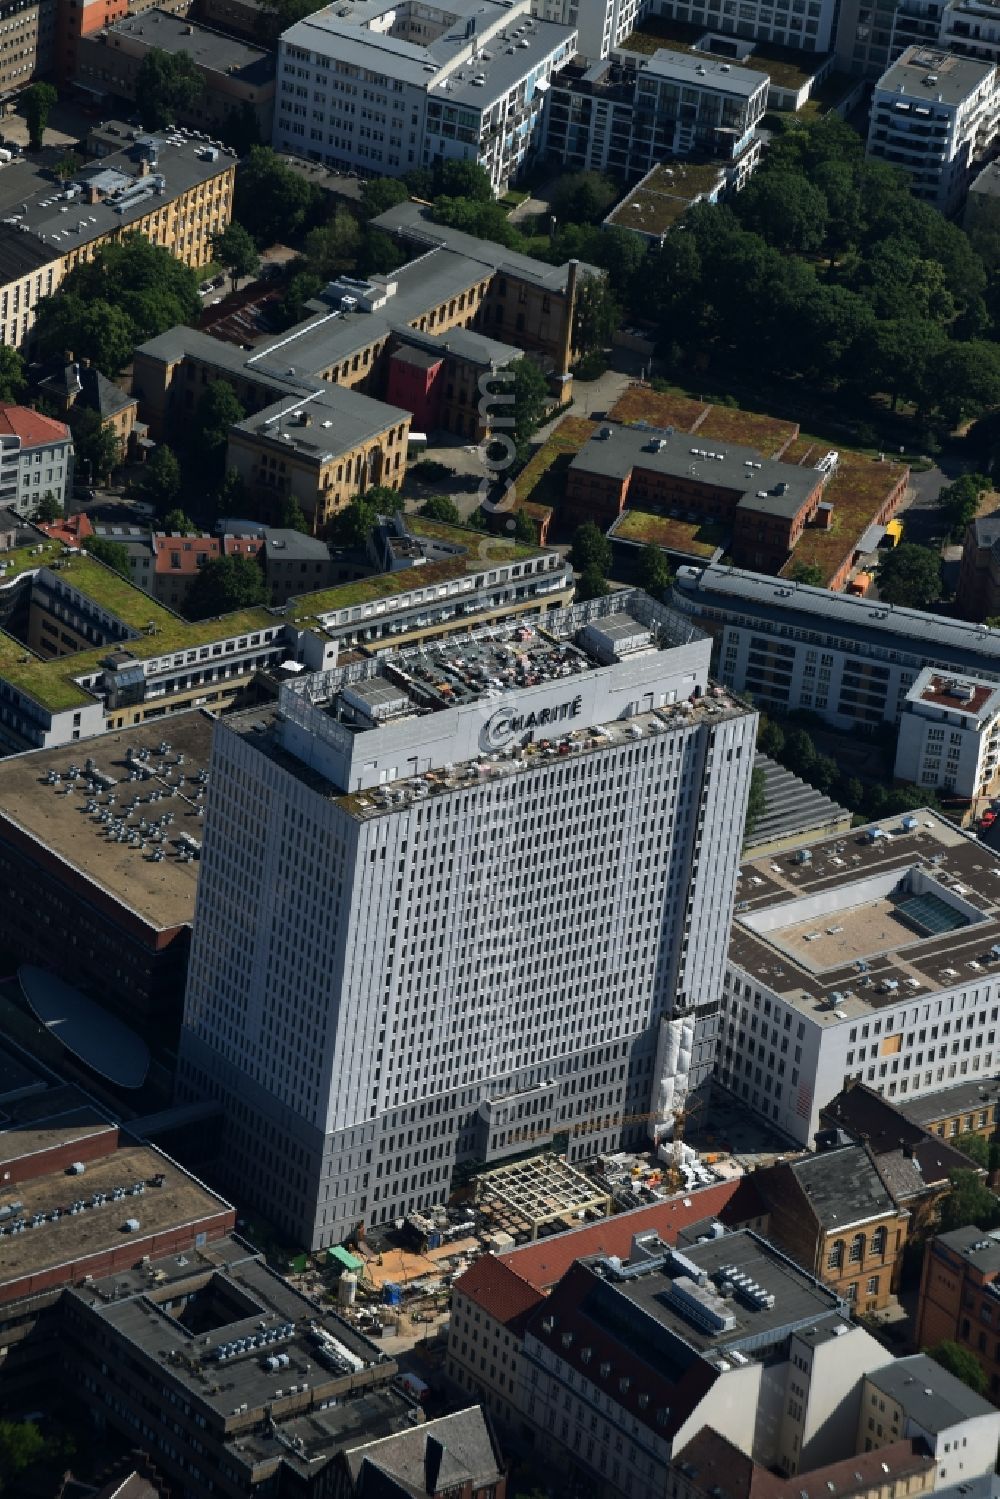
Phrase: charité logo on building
(508, 721)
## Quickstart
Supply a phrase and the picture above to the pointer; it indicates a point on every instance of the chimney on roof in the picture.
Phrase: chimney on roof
(68, 356)
(144, 167)
(85, 364)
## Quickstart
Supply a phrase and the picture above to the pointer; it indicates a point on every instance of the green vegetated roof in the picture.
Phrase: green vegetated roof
(158, 631)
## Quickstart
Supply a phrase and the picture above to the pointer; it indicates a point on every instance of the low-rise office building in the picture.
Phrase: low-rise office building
(237, 78)
(960, 1297)
(77, 19)
(949, 734)
(872, 957)
(174, 190)
(935, 116)
(627, 113)
(295, 564)
(36, 459)
(963, 1109)
(851, 662)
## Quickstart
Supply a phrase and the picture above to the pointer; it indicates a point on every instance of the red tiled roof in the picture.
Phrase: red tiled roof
(69, 529)
(30, 426)
(543, 1263)
(186, 550)
(500, 1291)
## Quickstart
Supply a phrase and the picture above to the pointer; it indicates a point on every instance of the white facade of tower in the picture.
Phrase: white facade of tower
(483, 943)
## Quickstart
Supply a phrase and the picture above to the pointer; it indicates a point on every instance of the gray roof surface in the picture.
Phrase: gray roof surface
(85, 1028)
(703, 71)
(681, 453)
(930, 76)
(791, 806)
(929, 1395)
(62, 224)
(464, 343)
(959, 1099)
(208, 49)
(411, 221)
(340, 419)
(980, 1249)
(842, 1186)
(20, 254)
(282, 545)
(934, 639)
(459, 1447)
(988, 182)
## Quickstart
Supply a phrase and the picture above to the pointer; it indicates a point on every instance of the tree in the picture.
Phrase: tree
(960, 1362)
(176, 520)
(440, 508)
(301, 287)
(462, 179)
(95, 444)
(808, 572)
(231, 497)
(290, 515)
(241, 129)
(67, 165)
(591, 550)
(111, 553)
(786, 209)
(771, 739)
(756, 800)
(131, 291)
(353, 525)
(583, 197)
(275, 16)
(36, 103)
(332, 248)
(233, 248)
(799, 752)
(531, 400)
(272, 201)
(218, 410)
(49, 508)
(960, 501)
(910, 575)
(975, 1147)
(12, 377)
(167, 85)
(160, 483)
(379, 194)
(653, 571)
(525, 528)
(969, 1201)
(224, 584)
(21, 1444)
(596, 315)
(591, 584)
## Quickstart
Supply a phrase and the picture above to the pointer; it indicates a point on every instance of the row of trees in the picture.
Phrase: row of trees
(792, 745)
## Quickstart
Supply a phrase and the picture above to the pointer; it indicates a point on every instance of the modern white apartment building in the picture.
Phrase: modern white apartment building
(36, 459)
(460, 899)
(873, 957)
(383, 88)
(625, 115)
(850, 660)
(949, 734)
(935, 115)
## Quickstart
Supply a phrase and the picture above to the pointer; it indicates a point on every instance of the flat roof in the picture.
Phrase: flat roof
(319, 427)
(85, 1028)
(934, 639)
(160, 893)
(933, 77)
(964, 697)
(765, 484)
(836, 935)
(665, 194)
(209, 49)
(703, 70)
(146, 1308)
(180, 1200)
(60, 218)
(412, 221)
